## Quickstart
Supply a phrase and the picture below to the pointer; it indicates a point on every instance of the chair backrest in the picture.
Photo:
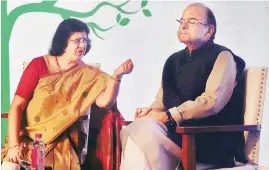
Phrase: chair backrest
(255, 85)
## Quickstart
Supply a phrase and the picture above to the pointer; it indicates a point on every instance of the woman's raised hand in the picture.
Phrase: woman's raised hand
(125, 68)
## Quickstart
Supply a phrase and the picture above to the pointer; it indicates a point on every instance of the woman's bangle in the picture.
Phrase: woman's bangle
(13, 146)
(117, 78)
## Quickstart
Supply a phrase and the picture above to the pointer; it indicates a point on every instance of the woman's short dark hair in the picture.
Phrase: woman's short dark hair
(63, 33)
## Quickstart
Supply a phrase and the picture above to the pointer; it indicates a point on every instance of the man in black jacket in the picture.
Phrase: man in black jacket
(199, 87)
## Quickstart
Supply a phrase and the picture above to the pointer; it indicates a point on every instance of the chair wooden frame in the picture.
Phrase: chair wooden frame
(188, 139)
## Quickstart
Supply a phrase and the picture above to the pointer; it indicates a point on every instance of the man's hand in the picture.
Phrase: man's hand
(157, 114)
(141, 112)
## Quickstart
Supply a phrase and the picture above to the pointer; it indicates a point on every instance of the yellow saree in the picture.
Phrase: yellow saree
(58, 102)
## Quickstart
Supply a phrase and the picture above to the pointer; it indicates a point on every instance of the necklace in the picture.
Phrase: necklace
(59, 67)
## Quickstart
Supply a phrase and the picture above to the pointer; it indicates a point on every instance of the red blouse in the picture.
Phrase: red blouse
(30, 77)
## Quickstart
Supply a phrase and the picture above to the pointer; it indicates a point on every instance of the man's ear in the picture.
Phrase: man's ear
(211, 30)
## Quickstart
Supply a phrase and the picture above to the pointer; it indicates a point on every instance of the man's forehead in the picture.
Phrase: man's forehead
(195, 11)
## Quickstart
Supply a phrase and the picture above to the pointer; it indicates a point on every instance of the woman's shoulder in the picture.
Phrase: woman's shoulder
(38, 64)
(37, 61)
(40, 60)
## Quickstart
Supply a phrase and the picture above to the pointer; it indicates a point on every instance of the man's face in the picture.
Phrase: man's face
(191, 33)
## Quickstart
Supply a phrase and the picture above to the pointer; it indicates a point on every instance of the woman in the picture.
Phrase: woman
(54, 94)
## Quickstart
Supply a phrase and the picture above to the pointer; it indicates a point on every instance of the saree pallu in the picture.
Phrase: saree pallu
(59, 100)
(104, 146)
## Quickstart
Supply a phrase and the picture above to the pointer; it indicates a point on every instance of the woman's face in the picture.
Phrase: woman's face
(76, 45)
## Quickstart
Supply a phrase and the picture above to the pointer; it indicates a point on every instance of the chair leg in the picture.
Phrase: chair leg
(188, 152)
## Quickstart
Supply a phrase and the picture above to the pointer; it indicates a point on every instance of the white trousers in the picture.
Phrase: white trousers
(146, 146)
(134, 159)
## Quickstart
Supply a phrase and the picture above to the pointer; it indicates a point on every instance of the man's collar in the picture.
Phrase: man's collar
(201, 48)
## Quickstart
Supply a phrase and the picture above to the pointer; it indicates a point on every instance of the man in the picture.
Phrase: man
(199, 86)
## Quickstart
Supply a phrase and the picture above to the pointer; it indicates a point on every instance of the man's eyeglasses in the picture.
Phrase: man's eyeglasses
(80, 40)
(192, 21)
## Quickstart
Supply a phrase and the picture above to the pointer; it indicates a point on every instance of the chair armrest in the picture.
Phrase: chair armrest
(4, 115)
(188, 139)
(208, 129)
(126, 122)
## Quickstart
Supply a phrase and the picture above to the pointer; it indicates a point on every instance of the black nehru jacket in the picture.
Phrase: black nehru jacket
(184, 78)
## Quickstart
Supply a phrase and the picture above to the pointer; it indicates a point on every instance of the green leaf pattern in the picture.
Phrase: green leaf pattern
(146, 12)
(118, 18)
(124, 21)
(144, 3)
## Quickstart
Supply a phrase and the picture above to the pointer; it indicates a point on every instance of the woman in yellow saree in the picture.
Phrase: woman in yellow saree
(54, 97)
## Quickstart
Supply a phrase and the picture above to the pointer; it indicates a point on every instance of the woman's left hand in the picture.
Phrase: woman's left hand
(124, 68)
